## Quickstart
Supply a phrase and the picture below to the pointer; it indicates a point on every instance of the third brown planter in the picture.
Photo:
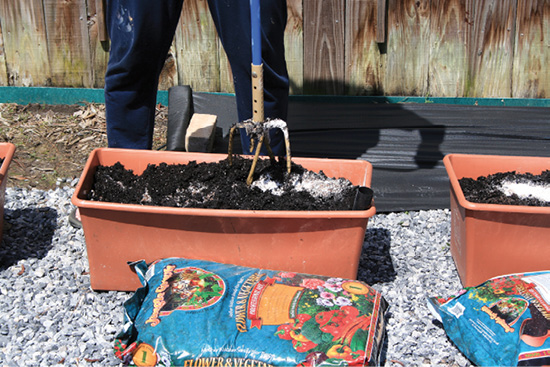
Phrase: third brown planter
(489, 240)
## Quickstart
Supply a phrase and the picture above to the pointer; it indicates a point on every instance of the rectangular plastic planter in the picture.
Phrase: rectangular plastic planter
(489, 240)
(323, 242)
(6, 153)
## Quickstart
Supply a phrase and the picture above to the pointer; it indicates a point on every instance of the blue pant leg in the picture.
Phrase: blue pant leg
(232, 19)
(141, 32)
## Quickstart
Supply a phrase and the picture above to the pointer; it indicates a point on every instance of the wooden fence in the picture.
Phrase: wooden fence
(438, 48)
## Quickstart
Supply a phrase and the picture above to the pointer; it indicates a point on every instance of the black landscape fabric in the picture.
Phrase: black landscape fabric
(405, 142)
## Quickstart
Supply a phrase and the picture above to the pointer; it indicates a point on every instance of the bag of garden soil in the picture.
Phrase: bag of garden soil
(201, 313)
(502, 322)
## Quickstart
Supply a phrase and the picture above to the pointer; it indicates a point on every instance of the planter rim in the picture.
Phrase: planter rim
(89, 204)
(488, 207)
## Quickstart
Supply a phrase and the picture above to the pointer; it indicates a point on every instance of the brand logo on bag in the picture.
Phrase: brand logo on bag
(185, 289)
(242, 301)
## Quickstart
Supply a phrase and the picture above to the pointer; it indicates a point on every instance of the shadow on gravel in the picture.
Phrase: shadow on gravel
(27, 234)
(375, 265)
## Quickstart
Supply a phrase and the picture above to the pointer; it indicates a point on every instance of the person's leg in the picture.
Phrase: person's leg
(232, 19)
(141, 32)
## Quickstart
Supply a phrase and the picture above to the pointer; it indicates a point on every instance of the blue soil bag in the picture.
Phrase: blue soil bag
(502, 322)
(201, 313)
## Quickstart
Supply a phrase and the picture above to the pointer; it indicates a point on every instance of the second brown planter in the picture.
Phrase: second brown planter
(323, 242)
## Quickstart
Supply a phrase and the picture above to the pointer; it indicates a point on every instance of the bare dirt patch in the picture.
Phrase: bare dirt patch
(54, 141)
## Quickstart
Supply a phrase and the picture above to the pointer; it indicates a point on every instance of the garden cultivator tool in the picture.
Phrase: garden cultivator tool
(257, 129)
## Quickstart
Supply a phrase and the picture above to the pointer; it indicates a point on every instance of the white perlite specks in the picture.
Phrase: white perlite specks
(526, 190)
(311, 182)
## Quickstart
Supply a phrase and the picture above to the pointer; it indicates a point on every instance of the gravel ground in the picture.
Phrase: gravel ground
(50, 316)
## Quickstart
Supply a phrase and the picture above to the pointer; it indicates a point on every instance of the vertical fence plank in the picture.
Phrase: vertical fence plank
(324, 53)
(100, 7)
(197, 48)
(408, 47)
(98, 55)
(169, 74)
(491, 52)
(448, 68)
(531, 75)
(68, 43)
(3, 69)
(363, 60)
(226, 76)
(294, 46)
(25, 43)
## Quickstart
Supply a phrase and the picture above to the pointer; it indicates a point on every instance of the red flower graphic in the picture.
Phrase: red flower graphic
(312, 283)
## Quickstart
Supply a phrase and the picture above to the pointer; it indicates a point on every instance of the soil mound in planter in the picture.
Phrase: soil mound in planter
(223, 186)
(508, 188)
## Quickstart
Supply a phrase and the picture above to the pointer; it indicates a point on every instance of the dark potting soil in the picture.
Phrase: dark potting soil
(217, 186)
(487, 189)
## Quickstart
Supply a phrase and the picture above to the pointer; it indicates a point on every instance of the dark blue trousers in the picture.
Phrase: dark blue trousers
(141, 32)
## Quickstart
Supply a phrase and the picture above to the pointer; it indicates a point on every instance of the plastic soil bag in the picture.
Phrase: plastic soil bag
(502, 322)
(201, 313)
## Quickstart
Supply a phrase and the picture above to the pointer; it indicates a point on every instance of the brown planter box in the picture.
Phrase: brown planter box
(6, 152)
(323, 242)
(489, 240)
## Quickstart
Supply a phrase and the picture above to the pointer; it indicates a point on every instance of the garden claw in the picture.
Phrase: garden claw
(259, 131)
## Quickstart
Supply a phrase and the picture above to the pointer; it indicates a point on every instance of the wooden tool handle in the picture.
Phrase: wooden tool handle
(257, 93)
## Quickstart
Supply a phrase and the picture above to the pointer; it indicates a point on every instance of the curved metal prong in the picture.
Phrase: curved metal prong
(250, 177)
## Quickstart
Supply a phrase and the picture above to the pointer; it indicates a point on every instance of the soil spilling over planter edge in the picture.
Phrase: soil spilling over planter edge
(489, 189)
(222, 186)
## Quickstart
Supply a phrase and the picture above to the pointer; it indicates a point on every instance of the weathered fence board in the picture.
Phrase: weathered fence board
(169, 74)
(492, 52)
(99, 44)
(294, 46)
(531, 75)
(25, 43)
(226, 76)
(197, 48)
(449, 29)
(324, 31)
(363, 60)
(408, 47)
(100, 10)
(68, 43)
(3, 69)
